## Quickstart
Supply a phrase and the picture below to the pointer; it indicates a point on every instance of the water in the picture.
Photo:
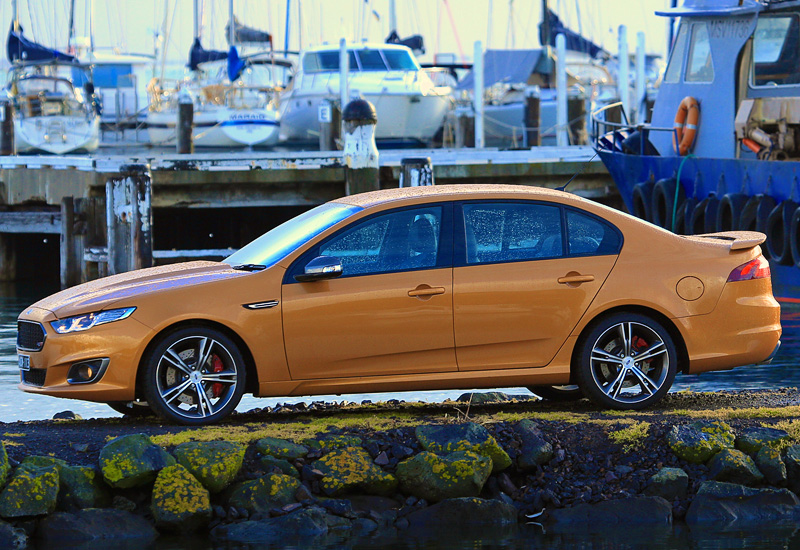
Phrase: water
(17, 405)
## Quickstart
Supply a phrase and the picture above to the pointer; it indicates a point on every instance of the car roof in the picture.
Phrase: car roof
(458, 192)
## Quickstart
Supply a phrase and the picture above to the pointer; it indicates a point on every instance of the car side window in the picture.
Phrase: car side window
(507, 232)
(588, 235)
(396, 241)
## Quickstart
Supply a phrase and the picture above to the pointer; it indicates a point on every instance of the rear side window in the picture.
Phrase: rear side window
(507, 232)
(589, 236)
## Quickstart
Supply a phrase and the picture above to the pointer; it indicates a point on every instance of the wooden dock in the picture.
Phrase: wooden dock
(123, 211)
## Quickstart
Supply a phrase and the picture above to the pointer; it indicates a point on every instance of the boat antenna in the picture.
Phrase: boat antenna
(576, 174)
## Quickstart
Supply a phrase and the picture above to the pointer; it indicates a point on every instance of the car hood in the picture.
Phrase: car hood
(125, 287)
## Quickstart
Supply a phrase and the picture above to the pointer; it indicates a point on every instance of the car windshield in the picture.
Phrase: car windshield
(274, 245)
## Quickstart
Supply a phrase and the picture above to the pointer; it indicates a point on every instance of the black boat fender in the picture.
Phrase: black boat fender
(704, 217)
(794, 237)
(730, 209)
(778, 230)
(643, 200)
(765, 206)
(748, 218)
(664, 203)
(685, 214)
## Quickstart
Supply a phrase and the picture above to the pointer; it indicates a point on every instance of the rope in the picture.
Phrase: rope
(678, 188)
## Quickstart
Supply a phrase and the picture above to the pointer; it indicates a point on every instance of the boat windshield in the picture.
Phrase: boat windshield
(361, 60)
(274, 245)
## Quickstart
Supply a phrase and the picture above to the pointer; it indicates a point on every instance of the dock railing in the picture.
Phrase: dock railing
(610, 136)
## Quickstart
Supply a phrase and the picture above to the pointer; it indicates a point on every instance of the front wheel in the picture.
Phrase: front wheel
(194, 376)
(627, 361)
(569, 392)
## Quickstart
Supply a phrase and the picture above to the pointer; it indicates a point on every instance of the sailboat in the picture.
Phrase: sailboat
(235, 97)
(53, 98)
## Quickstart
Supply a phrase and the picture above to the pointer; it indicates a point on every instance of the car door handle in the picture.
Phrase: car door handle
(423, 291)
(573, 278)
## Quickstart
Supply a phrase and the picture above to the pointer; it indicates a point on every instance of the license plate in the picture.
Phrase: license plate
(24, 362)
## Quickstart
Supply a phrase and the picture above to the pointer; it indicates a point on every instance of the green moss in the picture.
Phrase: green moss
(179, 502)
(351, 469)
(630, 437)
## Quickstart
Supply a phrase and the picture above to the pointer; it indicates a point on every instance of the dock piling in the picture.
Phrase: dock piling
(7, 144)
(360, 151)
(576, 113)
(532, 103)
(185, 123)
(129, 217)
(416, 172)
(465, 127)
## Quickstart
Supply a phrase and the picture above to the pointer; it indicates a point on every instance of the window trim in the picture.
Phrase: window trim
(444, 254)
(459, 232)
(751, 79)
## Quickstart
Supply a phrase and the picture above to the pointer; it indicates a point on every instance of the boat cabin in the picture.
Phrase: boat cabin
(740, 60)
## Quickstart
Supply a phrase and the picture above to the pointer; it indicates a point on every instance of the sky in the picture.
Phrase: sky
(449, 27)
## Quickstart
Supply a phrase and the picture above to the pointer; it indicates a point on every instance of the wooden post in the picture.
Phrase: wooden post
(416, 172)
(360, 151)
(129, 217)
(532, 102)
(465, 128)
(7, 143)
(330, 124)
(71, 249)
(8, 257)
(576, 114)
(90, 232)
(185, 123)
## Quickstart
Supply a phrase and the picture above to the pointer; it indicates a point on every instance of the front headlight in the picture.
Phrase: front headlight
(88, 320)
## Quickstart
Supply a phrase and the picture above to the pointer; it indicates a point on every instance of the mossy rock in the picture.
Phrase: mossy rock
(79, 486)
(179, 503)
(734, 466)
(32, 491)
(699, 441)
(481, 398)
(12, 538)
(751, 440)
(350, 469)
(280, 448)
(214, 463)
(4, 465)
(435, 478)
(463, 437)
(534, 450)
(332, 442)
(262, 494)
(668, 483)
(791, 457)
(132, 461)
(270, 462)
(769, 462)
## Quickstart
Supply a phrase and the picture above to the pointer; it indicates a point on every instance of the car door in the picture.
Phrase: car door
(389, 313)
(524, 274)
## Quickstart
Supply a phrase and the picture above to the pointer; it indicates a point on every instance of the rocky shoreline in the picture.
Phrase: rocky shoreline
(721, 460)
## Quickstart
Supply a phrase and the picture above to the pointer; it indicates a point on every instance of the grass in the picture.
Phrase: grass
(632, 436)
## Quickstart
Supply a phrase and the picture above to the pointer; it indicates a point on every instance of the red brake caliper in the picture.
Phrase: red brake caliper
(639, 344)
(216, 387)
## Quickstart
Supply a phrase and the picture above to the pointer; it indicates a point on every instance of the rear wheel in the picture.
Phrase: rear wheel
(627, 361)
(569, 392)
(137, 409)
(193, 376)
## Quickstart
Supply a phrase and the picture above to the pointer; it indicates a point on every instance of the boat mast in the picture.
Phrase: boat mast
(196, 22)
(286, 34)
(231, 29)
(71, 30)
(392, 17)
(15, 14)
(489, 27)
(545, 25)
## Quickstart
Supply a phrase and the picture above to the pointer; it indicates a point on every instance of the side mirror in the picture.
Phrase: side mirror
(321, 267)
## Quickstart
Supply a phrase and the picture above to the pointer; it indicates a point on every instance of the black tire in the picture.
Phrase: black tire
(766, 205)
(729, 214)
(794, 237)
(608, 371)
(642, 198)
(664, 203)
(710, 214)
(778, 231)
(686, 215)
(748, 219)
(557, 393)
(135, 409)
(194, 376)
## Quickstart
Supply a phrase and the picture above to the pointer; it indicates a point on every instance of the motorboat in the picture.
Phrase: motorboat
(410, 104)
(722, 151)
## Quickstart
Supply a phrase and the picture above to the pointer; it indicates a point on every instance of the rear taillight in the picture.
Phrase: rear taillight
(754, 269)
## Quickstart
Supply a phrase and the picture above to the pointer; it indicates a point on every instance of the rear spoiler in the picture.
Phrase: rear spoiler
(739, 240)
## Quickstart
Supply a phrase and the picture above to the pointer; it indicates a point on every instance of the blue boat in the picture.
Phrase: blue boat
(722, 149)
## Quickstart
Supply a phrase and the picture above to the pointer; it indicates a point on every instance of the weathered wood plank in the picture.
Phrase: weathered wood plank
(30, 222)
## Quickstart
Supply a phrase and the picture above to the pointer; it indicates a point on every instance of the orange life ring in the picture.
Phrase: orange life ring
(686, 122)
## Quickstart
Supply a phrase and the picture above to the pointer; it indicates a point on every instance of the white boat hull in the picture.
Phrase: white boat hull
(401, 116)
(56, 134)
(218, 128)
